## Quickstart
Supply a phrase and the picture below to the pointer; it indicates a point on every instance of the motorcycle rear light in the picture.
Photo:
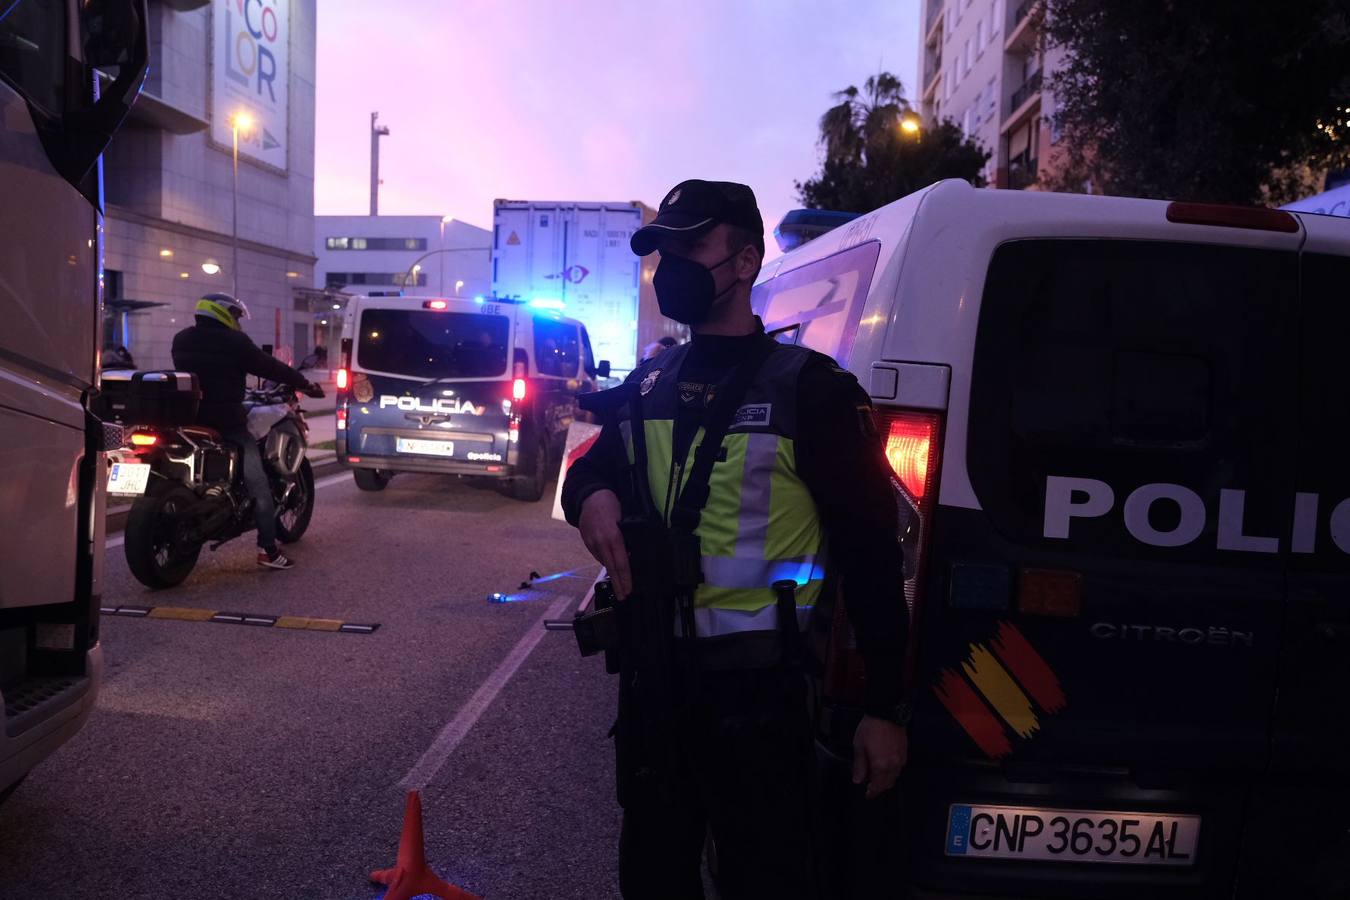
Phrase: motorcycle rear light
(355, 459)
(141, 439)
(980, 587)
(494, 468)
(435, 304)
(518, 389)
(1050, 592)
(343, 379)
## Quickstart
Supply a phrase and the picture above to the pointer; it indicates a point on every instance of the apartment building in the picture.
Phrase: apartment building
(982, 68)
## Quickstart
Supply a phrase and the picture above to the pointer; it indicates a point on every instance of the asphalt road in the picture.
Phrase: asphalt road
(249, 762)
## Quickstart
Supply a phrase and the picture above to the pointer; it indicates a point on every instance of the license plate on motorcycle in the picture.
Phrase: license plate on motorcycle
(429, 448)
(128, 479)
(1071, 835)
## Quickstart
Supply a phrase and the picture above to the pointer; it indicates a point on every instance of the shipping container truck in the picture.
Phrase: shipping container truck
(574, 257)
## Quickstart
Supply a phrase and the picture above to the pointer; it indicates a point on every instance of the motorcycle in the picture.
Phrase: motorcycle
(194, 486)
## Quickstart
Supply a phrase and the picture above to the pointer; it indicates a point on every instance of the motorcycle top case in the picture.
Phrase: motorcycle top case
(161, 397)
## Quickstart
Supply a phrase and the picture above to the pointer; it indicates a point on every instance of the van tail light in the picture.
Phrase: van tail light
(344, 378)
(1253, 217)
(518, 389)
(912, 442)
(341, 418)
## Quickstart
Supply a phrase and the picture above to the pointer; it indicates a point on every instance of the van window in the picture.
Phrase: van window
(823, 300)
(556, 348)
(1134, 363)
(425, 344)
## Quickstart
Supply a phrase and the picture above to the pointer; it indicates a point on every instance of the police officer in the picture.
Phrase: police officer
(800, 471)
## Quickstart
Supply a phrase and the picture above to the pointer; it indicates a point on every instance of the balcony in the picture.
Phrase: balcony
(932, 78)
(1029, 88)
(933, 28)
(1022, 31)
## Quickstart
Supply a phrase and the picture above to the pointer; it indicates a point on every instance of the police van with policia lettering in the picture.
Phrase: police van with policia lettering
(476, 387)
(1120, 431)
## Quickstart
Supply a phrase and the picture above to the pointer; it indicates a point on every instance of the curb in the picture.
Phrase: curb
(116, 518)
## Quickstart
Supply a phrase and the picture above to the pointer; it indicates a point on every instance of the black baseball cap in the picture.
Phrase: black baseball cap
(694, 207)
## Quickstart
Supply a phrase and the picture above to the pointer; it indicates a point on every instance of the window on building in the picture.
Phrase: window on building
(556, 349)
(340, 279)
(33, 51)
(995, 14)
(965, 59)
(991, 99)
(981, 36)
(375, 243)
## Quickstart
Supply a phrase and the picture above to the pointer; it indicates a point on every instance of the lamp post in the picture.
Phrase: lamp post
(444, 221)
(240, 120)
(909, 124)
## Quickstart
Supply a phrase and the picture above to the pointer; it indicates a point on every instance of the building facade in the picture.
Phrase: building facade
(982, 66)
(220, 69)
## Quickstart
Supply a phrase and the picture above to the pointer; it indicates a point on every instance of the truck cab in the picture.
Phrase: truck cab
(472, 387)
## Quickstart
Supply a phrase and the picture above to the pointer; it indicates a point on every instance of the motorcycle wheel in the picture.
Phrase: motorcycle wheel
(293, 518)
(156, 553)
(371, 479)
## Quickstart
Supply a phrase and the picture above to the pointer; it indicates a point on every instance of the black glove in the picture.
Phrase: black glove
(314, 390)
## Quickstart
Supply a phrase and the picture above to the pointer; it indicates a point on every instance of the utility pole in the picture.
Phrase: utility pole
(376, 132)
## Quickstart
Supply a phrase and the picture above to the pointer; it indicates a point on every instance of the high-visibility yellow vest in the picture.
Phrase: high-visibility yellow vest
(760, 524)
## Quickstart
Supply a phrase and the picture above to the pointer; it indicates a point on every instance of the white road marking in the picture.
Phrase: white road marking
(455, 730)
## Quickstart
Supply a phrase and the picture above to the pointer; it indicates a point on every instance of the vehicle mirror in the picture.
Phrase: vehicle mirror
(602, 370)
(110, 30)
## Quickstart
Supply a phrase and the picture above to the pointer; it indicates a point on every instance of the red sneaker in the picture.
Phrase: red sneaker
(274, 560)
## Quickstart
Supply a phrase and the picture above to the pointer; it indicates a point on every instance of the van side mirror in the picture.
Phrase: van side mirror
(602, 370)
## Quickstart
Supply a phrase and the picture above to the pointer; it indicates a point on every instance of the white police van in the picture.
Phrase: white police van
(1121, 428)
(457, 386)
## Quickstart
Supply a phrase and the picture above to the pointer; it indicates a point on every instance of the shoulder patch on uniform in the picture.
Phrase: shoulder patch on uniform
(752, 414)
(649, 382)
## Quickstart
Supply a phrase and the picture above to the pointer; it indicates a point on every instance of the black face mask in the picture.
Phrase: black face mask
(686, 290)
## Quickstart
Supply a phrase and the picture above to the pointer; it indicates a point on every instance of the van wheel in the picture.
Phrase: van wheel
(530, 487)
(371, 479)
(157, 551)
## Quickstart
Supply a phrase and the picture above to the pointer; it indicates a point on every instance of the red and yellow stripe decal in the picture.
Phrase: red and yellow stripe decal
(1001, 689)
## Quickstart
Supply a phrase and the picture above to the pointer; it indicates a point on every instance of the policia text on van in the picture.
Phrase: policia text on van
(724, 469)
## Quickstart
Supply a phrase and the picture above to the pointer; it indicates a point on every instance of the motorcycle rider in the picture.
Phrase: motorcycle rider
(221, 355)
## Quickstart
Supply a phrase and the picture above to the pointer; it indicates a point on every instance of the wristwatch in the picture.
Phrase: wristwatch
(899, 714)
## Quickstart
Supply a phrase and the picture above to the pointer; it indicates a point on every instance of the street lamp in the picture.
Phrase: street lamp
(239, 121)
(909, 124)
(445, 220)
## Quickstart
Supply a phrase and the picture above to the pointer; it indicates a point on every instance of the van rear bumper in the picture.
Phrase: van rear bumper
(22, 751)
(430, 466)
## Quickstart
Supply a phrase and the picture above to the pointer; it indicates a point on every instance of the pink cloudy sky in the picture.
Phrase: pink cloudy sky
(587, 100)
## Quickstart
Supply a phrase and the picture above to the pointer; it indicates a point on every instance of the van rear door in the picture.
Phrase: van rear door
(1104, 632)
(438, 379)
(1300, 829)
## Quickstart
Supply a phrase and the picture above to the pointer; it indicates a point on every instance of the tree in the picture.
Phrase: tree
(1235, 101)
(869, 159)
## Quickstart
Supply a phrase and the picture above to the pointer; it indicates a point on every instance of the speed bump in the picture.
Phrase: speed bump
(225, 617)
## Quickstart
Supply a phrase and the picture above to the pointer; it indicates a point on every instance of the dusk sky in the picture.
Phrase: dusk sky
(591, 100)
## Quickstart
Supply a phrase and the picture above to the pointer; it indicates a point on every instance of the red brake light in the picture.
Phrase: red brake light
(435, 304)
(141, 439)
(343, 379)
(1253, 217)
(518, 389)
(911, 449)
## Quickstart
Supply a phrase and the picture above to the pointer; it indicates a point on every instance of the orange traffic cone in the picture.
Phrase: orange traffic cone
(411, 876)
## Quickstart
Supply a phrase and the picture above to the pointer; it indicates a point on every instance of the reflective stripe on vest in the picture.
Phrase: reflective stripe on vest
(760, 524)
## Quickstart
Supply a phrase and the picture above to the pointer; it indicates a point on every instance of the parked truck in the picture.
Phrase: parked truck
(573, 256)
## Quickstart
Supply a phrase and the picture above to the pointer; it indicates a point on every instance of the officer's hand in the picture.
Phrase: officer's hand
(880, 749)
(599, 527)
